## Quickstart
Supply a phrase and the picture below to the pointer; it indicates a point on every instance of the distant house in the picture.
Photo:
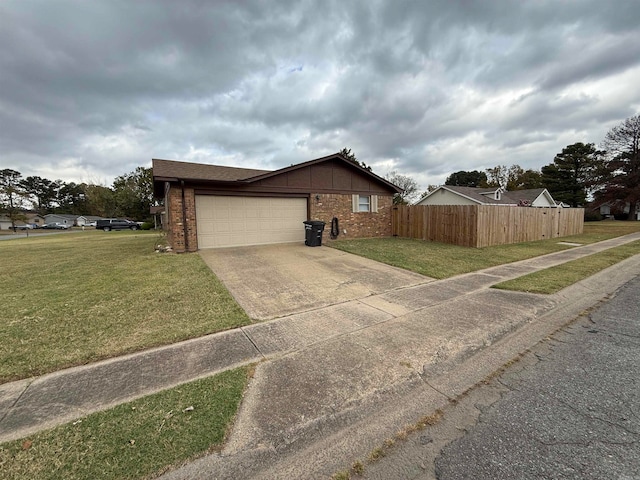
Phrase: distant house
(5, 222)
(68, 220)
(158, 215)
(617, 207)
(32, 218)
(83, 220)
(453, 195)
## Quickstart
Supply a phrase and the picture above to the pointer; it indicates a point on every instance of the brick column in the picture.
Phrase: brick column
(177, 225)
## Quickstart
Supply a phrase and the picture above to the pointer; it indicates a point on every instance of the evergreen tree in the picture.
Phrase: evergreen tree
(346, 153)
(573, 173)
(467, 179)
(12, 196)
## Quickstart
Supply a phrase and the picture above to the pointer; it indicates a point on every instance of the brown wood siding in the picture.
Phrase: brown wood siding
(328, 177)
(299, 178)
(484, 225)
(322, 177)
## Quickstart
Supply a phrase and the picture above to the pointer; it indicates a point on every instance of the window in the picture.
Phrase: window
(365, 203)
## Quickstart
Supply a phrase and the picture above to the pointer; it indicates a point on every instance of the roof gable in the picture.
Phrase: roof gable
(530, 196)
(171, 170)
(333, 157)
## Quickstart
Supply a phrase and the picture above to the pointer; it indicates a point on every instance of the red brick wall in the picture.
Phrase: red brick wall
(357, 225)
(175, 226)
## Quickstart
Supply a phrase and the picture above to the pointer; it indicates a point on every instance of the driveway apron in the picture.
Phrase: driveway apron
(271, 281)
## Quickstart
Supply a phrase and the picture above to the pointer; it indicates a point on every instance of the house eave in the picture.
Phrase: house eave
(334, 156)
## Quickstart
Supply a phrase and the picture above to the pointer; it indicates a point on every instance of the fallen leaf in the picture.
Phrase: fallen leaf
(26, 445)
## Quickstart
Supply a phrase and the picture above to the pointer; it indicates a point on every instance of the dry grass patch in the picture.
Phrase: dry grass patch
(74, 298)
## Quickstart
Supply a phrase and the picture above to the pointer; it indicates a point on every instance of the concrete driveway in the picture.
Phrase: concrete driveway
(271, 281)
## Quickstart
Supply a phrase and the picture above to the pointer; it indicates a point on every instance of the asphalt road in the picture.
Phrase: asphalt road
(24, 234)
(570, 409)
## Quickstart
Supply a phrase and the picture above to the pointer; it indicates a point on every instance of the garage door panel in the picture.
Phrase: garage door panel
(225, 221)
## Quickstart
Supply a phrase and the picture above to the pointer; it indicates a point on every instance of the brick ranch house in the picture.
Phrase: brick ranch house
(210, 206)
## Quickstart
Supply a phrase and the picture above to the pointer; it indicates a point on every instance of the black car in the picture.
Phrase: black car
(108, 224)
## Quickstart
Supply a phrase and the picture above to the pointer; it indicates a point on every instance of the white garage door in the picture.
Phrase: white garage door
(236, 221)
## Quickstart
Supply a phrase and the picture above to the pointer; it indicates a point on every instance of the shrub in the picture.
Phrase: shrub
(592, 216)
(146, 226)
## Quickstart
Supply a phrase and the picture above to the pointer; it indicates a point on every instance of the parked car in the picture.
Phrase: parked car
(55, 226)
(108, 224)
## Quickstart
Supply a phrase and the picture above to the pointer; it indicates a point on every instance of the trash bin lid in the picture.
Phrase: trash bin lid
(314, 223)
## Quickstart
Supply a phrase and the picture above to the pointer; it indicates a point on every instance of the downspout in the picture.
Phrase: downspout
(184, 219)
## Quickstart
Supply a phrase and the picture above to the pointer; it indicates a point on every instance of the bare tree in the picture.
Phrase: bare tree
(622, 185)
(408, 185)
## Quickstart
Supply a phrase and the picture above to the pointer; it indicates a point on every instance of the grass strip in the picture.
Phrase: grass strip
(74, 298)
(132, 440)
(554, 279)
(439, 260)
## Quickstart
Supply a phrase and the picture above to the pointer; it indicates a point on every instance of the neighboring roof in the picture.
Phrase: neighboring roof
(174, 170)
(527, 195)
(27, 213)
(91, 218)
(485, 196)
(63, 215)
(200, 171)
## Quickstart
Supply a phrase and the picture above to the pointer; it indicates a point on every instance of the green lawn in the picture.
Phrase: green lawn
(554, 279)
(439, 260)
(73, 298)
(132, 440)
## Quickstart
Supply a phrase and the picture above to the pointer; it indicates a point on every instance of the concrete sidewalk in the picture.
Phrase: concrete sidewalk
(330, 368)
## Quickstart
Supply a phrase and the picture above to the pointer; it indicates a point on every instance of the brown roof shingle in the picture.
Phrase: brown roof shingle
(199, 171)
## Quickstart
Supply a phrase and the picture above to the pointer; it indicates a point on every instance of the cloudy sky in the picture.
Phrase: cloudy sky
(90, 90)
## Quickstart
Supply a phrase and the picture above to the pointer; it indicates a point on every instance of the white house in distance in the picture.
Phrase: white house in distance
(83, 220)
(63, 219)
(453, 195)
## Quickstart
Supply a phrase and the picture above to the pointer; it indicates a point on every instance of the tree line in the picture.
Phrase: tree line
(578, 173)
(569, 179)
(130, 196)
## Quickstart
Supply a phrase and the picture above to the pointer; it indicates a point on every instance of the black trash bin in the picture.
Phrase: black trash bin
(313, 233)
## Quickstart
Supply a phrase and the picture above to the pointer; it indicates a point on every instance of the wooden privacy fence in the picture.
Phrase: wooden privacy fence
(484, 225)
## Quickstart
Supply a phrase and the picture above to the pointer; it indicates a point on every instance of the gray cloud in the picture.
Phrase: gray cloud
(91, 90)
